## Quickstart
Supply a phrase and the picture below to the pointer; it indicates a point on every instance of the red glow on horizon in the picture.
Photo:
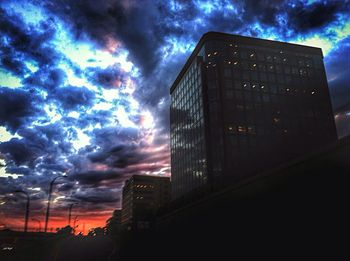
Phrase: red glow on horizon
(84, 222)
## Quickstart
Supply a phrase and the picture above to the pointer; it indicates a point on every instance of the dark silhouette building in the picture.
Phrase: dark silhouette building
(241, 105)
(142, 196)
(113, 224)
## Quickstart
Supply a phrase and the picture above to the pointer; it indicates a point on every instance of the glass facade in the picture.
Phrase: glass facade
(264, 103)
(142, 197)
(188, 158)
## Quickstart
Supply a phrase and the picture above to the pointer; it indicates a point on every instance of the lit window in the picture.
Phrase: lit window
(251, 130)
(262, 87)
(313, 92)
(241, 129)
(253, 86)
(215, 53)
(251, 55)
(235, 63)
(287, 89)
(276, 120)
(209, 54)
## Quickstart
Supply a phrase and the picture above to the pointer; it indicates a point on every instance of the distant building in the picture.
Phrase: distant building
(241, 105)
(113, 224)
(142, 196)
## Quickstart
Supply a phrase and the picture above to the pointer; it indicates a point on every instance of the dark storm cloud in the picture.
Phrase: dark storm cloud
(12, 64)
(51, 131)
(110, 77)
(20, 152)
(39, 149)
(265, 11)
(47, 78)
(99, 196)
(67, 186)
(305, 18)
(17, 106)
(112, 137)
(22, 41)
(94, 177)
(116, 148)
(71, 97)
(97, 116)
(18, 170)
(141, 33)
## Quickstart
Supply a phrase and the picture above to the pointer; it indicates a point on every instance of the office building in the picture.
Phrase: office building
(142, 196)
(241, 105)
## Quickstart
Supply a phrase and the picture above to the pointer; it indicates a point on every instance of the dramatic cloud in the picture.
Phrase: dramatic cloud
(17, 108)
(84, 87)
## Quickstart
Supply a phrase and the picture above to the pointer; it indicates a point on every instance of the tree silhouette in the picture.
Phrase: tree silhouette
(97, 231)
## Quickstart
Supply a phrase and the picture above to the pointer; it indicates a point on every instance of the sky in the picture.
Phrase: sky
(84, 89)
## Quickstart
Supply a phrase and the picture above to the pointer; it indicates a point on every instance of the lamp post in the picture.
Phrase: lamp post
(39, 223)
(49, 201)
(70, 212)
(27, 209)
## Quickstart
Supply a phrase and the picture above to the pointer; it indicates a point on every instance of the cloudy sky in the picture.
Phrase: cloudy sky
(84, 88)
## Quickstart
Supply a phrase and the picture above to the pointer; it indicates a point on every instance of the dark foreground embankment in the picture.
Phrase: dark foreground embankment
(298, 211)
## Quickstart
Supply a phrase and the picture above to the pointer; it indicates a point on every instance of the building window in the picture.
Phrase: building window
(229, 94)
(262, 67)
(227, 72)
(261, 56)
(253, 66)
(228, 84)
(246, 85)
(231, 129)
(241, 129)
(251, 129)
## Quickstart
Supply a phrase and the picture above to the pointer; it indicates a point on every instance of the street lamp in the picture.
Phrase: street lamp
(49, 201)
(27, 209)
(70, 212)
(39, 223)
